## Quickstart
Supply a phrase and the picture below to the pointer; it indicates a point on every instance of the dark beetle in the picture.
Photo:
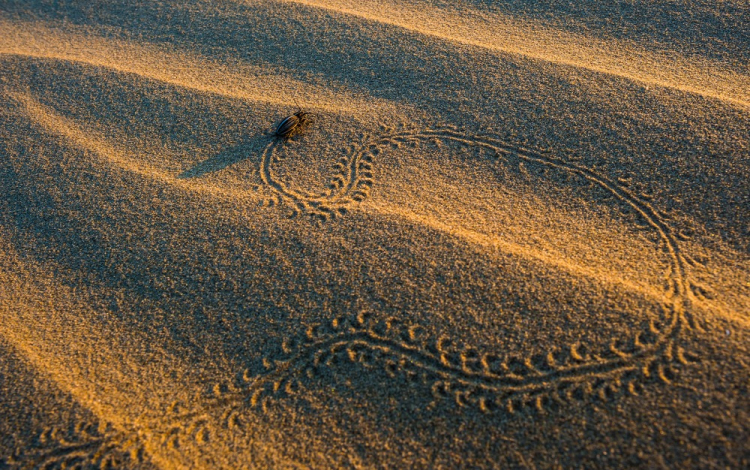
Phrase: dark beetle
(292, 124)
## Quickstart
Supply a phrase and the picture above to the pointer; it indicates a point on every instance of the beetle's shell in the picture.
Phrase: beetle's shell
(288, 125)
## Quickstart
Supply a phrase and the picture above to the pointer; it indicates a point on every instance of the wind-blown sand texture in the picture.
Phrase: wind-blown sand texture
(513, 235)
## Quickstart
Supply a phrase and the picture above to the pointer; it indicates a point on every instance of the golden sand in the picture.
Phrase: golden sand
(512, 236)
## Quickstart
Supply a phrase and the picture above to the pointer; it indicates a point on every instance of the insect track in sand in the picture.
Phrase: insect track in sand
(84, 445)
(490, 381)
(351, 183)
(621, 364)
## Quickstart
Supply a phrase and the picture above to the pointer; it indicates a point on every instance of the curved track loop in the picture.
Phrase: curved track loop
(646, 354)
(489, 381)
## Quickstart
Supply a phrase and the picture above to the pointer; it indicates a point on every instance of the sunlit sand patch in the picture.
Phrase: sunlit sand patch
(184, 69)
(513, 36)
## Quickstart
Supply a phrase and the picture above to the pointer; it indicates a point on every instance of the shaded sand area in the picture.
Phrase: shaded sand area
(513, 236)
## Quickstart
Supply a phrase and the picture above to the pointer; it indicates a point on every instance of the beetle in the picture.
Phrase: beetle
(292, 125)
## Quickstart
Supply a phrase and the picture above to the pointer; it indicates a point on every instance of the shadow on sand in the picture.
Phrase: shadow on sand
(247, 148)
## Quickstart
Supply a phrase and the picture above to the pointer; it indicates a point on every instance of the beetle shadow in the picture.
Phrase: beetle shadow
(247, 148)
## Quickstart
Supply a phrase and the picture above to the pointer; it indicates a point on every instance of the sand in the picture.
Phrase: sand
(511, 235)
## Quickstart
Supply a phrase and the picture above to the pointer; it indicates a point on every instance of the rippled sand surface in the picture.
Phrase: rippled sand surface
(508, 235)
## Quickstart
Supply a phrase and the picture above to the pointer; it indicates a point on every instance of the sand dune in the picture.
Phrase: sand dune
(181, 69)
(98, 146)
(511, 236)
(478, 28)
